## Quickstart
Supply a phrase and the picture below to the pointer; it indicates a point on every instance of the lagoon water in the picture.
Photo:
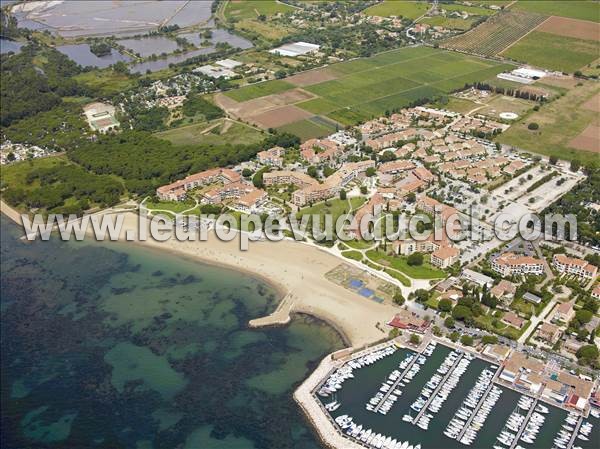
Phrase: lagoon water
(82, 55)
(111, 345)
(357, 391)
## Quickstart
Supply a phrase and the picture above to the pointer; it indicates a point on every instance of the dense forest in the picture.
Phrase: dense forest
(578, 202)
(29, 86)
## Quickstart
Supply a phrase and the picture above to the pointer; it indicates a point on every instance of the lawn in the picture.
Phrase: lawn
(550, 51)
(307, 129)
(333, 207)
(237, 133)
(399, 276)
(583, 10)
(354, 255)
(173, 206)
(425, 271)
(259, 90)
(559, 122)
(359, 244)
(409, 10)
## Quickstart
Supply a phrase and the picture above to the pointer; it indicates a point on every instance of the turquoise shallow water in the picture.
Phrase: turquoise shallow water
(115, 346)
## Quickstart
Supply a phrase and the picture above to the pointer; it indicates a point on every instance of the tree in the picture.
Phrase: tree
(394, 332)
(489, 339)
(415, 259)
(363, 190)
(454, 336)
(584, 316)
(533, 126)
(246, 173)
(342, 194)
(411, 197)
(421, 295)
(398, 298)
(445, 305)
(449, 322)
(370, 172)
(312, 172)
(587, 353)
(436, 331)
(553, 160)
(415, 339)
(466, 340)
(575, 164)
(462, 313)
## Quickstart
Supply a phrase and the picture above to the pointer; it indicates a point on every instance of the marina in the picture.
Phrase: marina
(437, 396)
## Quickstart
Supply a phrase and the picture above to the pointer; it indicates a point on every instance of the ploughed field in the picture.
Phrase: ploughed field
(360, 89)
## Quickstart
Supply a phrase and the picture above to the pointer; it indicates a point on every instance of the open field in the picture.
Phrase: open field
(311, 77)
(409, 10)
(363, 88)
(471, 10)
(560, 121)
(496, 34)
(502, 103)
(259, 90)
(551, 51)
(579, 29)
(588, 140)
(307, 129)
(452, 23)
(253, 8)
(584, 10)
(280, 116)
(225, 132)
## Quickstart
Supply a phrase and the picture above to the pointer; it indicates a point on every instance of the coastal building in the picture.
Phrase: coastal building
(512, 319)
(177, 190)
(477, 278)
(374, 206)
(445, 257)
(564, 312)
(508, 264)
(317, 151)
(574, 266)
(408, 321)
(272, 156)
(333, 184)
(496, 352)
(504, 291)
(295, 178)
(549, 333)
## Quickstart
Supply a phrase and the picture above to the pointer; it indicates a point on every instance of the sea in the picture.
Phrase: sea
(111, 345)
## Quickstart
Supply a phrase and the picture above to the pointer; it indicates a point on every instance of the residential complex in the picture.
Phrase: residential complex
(509, 264)
(574, 266)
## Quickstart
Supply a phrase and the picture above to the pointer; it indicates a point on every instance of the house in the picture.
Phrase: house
(574, 266)
(497, 352)
(505, 290)
(272, 156)
(535, 299)
(509, 263)
(251, 201)
(409, 321)
(445, 257)
(395, 167)
(564, 312)
(432, 206)
(596, 292)
(177, 190)
(477, 278)
(549, 333)
(316, 151)
(424, 175)
(512, 319)
(373, 207)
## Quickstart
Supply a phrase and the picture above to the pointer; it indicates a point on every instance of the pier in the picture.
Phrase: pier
(437, 389)
(522, 428)
(479, 404)
(395, 384)
(575, 432)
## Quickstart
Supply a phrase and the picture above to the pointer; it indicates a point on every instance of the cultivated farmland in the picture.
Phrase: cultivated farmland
(584, 10)
(409, 10)
(358, 90)
(551, 51)
(496, 34)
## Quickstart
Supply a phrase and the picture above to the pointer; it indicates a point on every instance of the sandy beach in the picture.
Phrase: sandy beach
(297, 270)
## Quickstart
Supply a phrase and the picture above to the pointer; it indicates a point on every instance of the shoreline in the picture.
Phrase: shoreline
(291, 269)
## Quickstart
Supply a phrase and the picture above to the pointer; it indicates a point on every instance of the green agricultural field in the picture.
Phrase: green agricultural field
(583, 10)
(234, 133)
(550, 51)
(472, 10)
(559, 122)
(409, 10)
(451, 23)
(253, 8)
(259, 90)
(307, 129)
